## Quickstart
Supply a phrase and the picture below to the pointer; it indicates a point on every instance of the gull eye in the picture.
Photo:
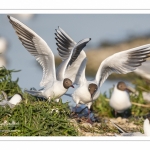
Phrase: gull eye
(89, 88)
(95, 89)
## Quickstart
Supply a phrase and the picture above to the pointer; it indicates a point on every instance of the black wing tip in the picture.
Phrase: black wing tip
(56, 34)
(8, 17)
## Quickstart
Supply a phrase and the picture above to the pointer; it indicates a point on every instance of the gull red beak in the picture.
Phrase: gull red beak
(72, 86)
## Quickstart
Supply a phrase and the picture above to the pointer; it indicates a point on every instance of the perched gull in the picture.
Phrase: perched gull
(121, 62)
(120, 100)
(146, 128)
(11, 102)
(53, 88)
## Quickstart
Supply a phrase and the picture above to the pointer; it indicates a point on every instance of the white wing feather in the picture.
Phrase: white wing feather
(75, 52)
(65, 44)
(38, 48)
(122, 62)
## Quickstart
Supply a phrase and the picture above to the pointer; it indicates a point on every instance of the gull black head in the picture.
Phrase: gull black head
(67, 83)
(92, 89)
(121, 86)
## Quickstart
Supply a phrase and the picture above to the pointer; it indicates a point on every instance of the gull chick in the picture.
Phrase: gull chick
(121, 63)
(52, 88)
(120, 100)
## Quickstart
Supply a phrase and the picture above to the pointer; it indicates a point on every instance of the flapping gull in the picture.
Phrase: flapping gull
(121, 63)
(146, 128)
(53, 88)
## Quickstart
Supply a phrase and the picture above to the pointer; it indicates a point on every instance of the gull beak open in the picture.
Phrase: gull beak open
(130, 89)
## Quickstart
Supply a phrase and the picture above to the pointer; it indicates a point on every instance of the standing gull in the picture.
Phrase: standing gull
(53, 88)
(120, 100)
(121, 63)
(12, 101)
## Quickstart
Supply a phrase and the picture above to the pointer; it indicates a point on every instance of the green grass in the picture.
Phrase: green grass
(141, 86)
(32, 117)
(6, 84)
(38, 118)
(101, 106)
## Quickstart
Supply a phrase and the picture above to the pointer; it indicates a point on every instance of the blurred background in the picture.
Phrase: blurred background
(110, 33)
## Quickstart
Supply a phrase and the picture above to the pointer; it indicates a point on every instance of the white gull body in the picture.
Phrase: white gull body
(14, 100)
(82, 96)
(52, 88)
(120, 100)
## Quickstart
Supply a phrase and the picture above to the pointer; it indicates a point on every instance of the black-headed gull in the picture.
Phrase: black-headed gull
(11, 102)
(146, 128)
(121, 63)
(120, 100)
(53, 88)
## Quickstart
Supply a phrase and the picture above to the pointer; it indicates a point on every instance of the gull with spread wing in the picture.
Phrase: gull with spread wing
(121, 63)
(52, 88)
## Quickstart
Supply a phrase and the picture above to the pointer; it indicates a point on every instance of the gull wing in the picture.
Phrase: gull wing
(65, 44)
(122, 62)
(61, 72)
(38, 48)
